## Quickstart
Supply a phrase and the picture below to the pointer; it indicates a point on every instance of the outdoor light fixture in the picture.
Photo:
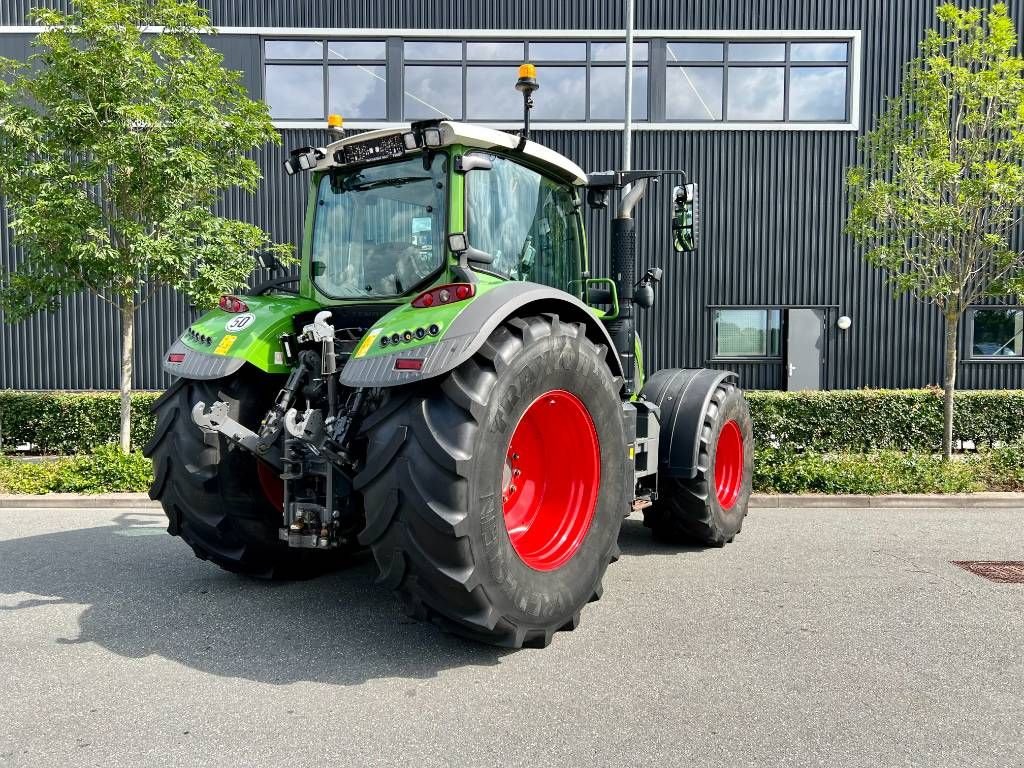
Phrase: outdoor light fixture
(336, 124)
(410, 140)
(844, 323)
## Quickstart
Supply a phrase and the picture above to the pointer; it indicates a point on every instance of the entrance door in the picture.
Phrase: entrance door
(804, 343)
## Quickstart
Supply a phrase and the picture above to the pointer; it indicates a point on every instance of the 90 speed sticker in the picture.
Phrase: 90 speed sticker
(239, 322)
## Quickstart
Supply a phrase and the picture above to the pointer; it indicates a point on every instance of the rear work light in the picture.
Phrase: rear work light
(444, 294)
(232, 304)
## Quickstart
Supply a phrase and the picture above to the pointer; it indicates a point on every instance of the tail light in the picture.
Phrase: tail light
(232, 304)
(176, 357)
(445, 294)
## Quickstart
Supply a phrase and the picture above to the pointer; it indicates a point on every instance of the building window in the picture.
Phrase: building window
(784, 81)
(309, 79)
(771, 81)
(747, 332)
(455, 79)
(997, 333)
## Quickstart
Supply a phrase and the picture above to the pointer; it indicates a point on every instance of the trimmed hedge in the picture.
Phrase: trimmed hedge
(836, 421)
(71, 422)
(880, 419)
(887, 472)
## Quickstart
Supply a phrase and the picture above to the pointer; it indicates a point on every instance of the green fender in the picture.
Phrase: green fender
(219, 342)
(464, 329)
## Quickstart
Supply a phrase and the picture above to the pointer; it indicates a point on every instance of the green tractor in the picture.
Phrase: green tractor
(445, 384)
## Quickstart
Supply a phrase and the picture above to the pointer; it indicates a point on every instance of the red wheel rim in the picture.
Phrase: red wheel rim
(271, 484)
(550, 480)
(729, 465)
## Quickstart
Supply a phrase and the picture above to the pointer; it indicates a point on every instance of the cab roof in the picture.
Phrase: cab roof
(472, 135)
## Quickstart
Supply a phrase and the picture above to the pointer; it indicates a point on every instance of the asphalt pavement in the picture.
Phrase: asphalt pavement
(819, 638)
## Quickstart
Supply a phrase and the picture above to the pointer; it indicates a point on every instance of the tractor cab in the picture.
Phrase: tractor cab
(393, 211)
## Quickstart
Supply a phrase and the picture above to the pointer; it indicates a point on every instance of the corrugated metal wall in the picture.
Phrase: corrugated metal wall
(773, 202)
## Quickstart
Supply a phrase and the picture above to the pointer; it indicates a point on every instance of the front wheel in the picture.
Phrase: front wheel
(709, 509)
(494, 495)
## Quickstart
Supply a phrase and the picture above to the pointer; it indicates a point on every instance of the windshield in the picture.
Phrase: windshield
(379, 231)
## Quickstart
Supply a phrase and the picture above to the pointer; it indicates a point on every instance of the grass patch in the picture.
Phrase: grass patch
(107, 470)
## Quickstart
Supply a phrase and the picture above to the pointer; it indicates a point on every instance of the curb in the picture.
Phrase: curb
(757, 501)
(988, 500)
(78, 501)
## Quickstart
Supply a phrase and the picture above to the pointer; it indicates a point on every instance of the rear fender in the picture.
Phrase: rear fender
(219, 343)
(683, 395)
(375, 365)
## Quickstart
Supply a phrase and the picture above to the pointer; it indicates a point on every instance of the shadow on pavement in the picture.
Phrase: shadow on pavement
(635, 540)
(144, 593)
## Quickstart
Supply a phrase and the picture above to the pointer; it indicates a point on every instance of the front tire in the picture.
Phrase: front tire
(710, 508)
(494, 495)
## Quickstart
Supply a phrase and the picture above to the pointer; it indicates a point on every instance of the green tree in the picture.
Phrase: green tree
(938, 198)
(117, 138)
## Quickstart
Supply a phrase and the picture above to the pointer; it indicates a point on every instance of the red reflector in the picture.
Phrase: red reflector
(408, 363)
(176, 357)
(444, 294)
(232, 304)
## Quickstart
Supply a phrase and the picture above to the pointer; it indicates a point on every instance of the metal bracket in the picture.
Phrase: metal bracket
(310, 427)
(218, 419)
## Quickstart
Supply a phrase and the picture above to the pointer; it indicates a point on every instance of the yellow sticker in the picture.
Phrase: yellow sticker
(367, 343)
(225, 345)
(632, 452)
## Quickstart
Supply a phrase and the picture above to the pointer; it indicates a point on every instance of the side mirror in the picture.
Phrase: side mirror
(685, 218)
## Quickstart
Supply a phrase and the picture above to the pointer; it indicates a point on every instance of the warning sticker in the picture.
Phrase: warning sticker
(225, 345)
(367, 342)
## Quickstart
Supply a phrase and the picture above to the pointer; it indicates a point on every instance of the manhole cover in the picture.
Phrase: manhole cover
(1003, 571)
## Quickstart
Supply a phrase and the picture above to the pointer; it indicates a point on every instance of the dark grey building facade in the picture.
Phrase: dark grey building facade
(760, 101)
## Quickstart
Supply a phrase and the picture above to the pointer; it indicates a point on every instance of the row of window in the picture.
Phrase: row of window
(703, 81)
(757, 333)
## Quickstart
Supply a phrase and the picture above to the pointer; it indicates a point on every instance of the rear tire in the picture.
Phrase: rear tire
(439, 476)
(710, 508)
(216, 498)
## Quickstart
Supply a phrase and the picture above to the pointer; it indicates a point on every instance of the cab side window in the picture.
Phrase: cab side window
(526, 222)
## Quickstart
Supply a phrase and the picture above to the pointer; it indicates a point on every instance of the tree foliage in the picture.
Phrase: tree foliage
(117, 139)
(938, 197)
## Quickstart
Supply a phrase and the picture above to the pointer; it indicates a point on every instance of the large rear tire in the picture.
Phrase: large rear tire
(494, 495)
(710, 508)
(222, 502)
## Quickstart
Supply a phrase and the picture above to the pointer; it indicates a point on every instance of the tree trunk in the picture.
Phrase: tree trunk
(127, 345)
(949, 385)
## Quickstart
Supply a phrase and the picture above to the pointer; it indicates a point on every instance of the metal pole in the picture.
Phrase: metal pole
(627, 128)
